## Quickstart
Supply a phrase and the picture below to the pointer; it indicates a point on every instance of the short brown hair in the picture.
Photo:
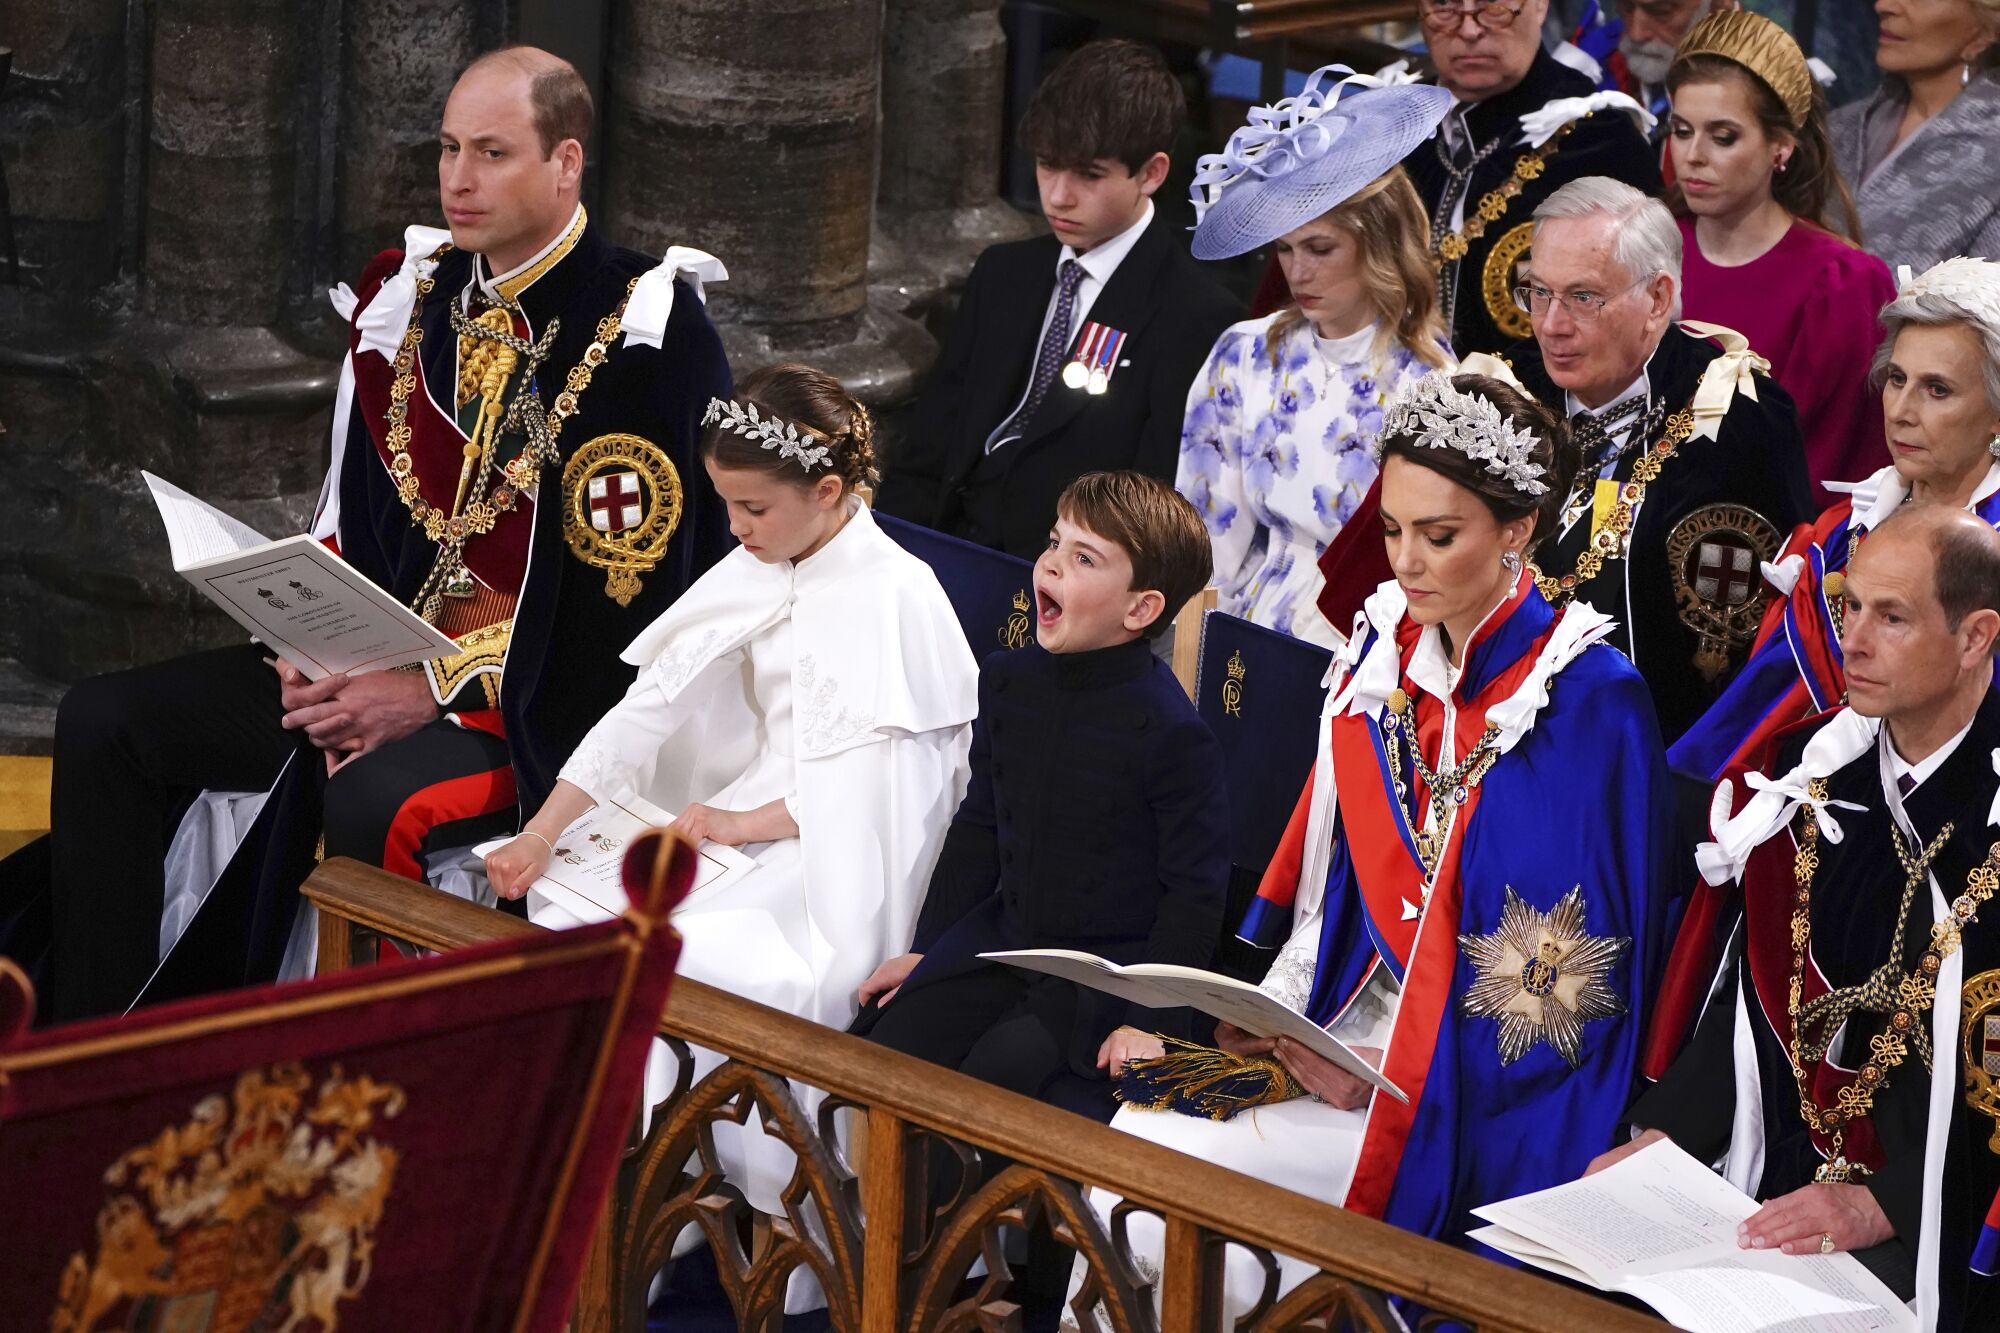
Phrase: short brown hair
(816, 403)
(1111, 99)
(1554, 452)
(1154, 525)
(556, 91)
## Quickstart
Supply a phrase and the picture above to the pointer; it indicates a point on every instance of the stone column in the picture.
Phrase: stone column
(748, 128)
(398, 62)
(220, 159)
(942, 68)
(62, 138)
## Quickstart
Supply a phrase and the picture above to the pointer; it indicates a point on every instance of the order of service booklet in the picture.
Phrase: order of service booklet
(294, 595)
(1170, 986)
(586, 875)
(1661, 1227)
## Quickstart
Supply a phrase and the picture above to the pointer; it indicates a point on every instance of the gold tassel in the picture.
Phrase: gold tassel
(1204, 1081)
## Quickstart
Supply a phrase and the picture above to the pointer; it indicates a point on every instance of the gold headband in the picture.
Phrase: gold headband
(1763, 48)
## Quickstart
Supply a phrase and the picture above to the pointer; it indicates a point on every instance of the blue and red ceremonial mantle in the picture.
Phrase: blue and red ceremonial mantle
(1578, 802)
(1795, 669)
(499, 558)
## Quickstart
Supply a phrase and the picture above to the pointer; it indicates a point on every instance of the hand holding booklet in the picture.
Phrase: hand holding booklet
(1169, 986)
(1661, 1227)
(294, 595)
(585, 877)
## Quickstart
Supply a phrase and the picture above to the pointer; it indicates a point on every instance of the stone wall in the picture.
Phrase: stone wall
(189, 176)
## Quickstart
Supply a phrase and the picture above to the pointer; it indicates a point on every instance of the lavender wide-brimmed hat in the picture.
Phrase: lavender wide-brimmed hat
(1304, 155)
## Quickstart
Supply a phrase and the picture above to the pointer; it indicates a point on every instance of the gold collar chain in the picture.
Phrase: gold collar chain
(1909, 999)
(1609, 540)
(1452, 246)
(1449, 790)
(451, 531)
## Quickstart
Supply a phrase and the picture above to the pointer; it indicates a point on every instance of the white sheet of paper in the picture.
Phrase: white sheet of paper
(1662, 1227)
(586, 875)
(294, 595)
(1170, 986)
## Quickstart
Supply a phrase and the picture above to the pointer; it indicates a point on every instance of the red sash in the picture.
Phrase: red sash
(1769, 884)
(498, 558)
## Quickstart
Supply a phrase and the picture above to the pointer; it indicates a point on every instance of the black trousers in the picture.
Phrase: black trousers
(134, 748)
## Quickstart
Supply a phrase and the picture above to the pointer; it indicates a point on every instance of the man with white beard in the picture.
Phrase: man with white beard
(1635, 47)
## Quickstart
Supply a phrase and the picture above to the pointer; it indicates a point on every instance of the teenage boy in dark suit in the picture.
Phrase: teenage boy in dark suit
(1005, 423)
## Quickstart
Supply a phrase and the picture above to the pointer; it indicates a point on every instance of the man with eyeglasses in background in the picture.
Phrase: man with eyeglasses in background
(1693, 469)
(1524, 125)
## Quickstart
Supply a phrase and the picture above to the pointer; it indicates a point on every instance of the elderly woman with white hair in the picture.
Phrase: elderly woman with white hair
(1939, 374)
(1938, 371)
(1922, 152)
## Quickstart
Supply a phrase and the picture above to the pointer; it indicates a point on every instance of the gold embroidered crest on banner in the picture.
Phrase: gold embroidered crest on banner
(259, 1211)
(621, 505)
(1714, 557)
(1981, 1038)
(1542, 978)
(1232, 688)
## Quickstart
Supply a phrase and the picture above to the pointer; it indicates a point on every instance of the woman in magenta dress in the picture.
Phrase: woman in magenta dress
(1755, 172)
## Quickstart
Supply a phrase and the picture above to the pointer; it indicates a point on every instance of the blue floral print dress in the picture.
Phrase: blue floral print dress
(1276, 453)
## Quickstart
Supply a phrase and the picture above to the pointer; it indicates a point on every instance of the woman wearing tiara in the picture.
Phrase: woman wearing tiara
(1466, 894)
(1278, 447)
(809, 700)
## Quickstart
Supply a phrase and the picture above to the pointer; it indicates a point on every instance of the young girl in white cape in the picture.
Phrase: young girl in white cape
(809, 700)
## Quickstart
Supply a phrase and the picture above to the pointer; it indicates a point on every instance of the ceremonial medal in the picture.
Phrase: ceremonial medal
(1109, 344)
(1096, 356)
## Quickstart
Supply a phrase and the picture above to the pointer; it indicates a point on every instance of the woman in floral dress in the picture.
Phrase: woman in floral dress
(1278, 446)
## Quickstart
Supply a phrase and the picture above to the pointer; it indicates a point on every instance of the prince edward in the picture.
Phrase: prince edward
(513, 456)
(1856, 1015)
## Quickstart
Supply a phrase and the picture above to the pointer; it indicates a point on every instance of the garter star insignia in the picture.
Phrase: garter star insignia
(1542, 977)
(1981, 1039)
(621, 505)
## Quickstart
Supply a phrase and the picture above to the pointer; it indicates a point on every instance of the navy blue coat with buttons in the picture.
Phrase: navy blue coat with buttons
(1095, 819)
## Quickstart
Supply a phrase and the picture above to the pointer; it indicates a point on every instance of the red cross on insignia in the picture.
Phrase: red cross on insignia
(615, 502)
(1725, 573)
(1990, 1048)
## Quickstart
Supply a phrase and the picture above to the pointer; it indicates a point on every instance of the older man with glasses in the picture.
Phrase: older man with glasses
(1524, 125)
(1693, 468)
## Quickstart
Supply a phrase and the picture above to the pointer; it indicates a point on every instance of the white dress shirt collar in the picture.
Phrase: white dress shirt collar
(1918, 772)
(1101, 261)
(1641, 386)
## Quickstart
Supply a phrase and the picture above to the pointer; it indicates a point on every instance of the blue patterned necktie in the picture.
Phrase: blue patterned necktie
(1048, 360)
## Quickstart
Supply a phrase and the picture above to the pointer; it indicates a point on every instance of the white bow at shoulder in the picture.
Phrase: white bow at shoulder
(1734, 372)
(1837, 744)
(382, 323)
(645, 321)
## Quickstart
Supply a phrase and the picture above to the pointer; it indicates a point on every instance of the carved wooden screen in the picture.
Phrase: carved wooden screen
(890, 1257)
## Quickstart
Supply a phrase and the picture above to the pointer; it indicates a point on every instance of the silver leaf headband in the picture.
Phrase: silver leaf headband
(1438, 416)
(769, 432)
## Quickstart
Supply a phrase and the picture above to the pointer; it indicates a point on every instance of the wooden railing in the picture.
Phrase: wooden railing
(892, 1262)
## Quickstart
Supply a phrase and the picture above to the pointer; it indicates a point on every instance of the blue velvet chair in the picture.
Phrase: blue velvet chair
(1260, 693)
(992, 592)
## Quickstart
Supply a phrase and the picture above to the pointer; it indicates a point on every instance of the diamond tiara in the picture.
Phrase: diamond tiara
(769, 432)
(1438, 416)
